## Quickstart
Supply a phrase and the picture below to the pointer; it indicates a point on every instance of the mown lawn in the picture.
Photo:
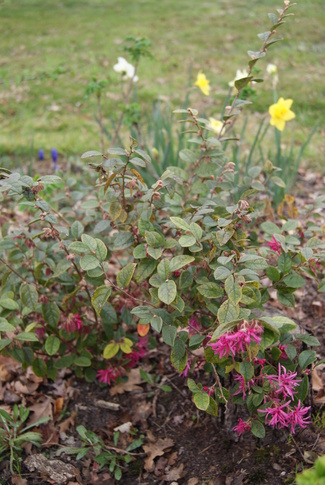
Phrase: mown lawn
(41, 108)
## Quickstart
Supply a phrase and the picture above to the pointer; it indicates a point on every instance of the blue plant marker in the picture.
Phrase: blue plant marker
(41, 154)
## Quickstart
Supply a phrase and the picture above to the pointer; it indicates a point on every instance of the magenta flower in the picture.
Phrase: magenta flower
(193, 325)
(241, 427)
(285, 382)
(73, 323)
(283, 355)
(239, 341)
(274, 245)
(242, 385)
(107, 376)
(296, 417)
(209, 390)
(278, 415)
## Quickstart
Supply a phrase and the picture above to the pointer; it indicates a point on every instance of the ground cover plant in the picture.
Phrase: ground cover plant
(97, 272)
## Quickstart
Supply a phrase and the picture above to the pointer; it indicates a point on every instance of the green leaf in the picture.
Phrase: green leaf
(286, 299)
(139, 252)
(9, 304)
(241, 83)
(82, 361)
(284, 263)
(115, 210)
(210, 290)
(154, 239)
(52, 345)
(179, 262)
(51, 314)
(156, 323)
(196, 231)
(102, 226)
(5, 326)
(258, 429)
(27, 337)
(293, 280)
(307, 339)
(65, 361)
(28, 295)
(5, 342)
(246, 369)
(221, 273)
(253, 261)
(76, 229)
(138, 162)
(195, 341)
(91, 153)
(306, 358)
(233, 290)
(145, 268)
(155, 253)
(89, 241)
(178, 355)
(49, 179)
(224, 236)
(124, 276)
(100, 297)
(163, 269)
(167, 292)
(279, 323)
(89, 262)
(169, 334)
(201, 400)
(227, 312)
(142, 312)
(101, 250)
(273, 274)
(302, 389)
(213, 407)
(178, 222)
(39, 367)
(111, 350)
(187, 241)
(143, 154)
(78, 247)
(185, 279)
(270, 228)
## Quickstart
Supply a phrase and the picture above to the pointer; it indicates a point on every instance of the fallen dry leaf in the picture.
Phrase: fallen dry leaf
(175, 473)
(58, 405)
(131, 384)
(65, 425)
(193, 481)
(156, 449)
(28, 388)
(9, 367)
(41, 410)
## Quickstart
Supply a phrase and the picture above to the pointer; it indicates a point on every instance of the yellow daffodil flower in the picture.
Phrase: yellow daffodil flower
(280, 113)
(215, 125)
(202, 83)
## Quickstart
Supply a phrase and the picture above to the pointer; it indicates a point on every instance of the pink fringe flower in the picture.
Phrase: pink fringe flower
(274, 245)
(285, 382)
(297, 417)
(279, 416)
(187, 368)
(241, 427)
(107, 376)
(193, 325)
(73, 323)
(239, 341)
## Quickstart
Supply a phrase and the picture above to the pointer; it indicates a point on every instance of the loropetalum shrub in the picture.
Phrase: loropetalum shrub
(91, 277)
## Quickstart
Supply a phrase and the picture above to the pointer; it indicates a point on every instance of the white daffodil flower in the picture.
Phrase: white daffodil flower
(271, 69)
(239, 75)
(126, 69)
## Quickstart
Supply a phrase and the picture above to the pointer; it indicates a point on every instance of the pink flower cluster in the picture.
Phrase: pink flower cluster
(108, 376)
(139, 352)
(283, 416)
(193, 325)
(284, 383)
(241, 427)
(238, 341)
(73, 323)
(274, 245)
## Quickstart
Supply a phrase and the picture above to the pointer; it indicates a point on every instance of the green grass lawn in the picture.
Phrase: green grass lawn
(84, 37)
